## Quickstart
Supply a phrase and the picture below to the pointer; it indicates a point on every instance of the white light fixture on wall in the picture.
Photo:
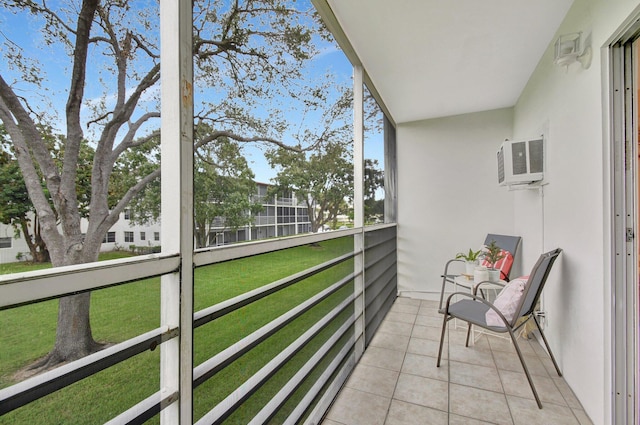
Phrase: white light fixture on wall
(570, 49)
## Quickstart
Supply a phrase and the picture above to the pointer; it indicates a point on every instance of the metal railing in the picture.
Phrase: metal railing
(324, 371)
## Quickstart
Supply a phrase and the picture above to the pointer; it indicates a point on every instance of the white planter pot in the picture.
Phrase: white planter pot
(494, 275)
(470, 267)
(480, 274)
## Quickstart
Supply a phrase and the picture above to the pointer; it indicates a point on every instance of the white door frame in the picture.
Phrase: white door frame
(624, 305)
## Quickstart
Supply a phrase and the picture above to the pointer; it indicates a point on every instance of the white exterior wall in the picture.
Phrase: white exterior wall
(448, 194)
(8, 255)
(449, 198)
(571, 107)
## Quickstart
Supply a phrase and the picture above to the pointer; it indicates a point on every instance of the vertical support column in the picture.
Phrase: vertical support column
(390, 173)
(176, 356)
(358, 205)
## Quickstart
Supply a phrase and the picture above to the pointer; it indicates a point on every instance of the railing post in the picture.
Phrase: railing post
(176, 358)
(358, 206)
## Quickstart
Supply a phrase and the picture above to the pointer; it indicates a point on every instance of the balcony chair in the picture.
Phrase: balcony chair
(473, 309)
(507, 243)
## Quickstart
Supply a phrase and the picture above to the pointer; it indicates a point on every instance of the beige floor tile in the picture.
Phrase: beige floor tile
(397, 378)
(461, 420)
(471, 355)
(425, 366)
(383, 358)
(354, 407)
(510, 361)
(393, 316)
(374, 380)
(435, 322)
(480, 404)
(548, 364)
(504, 343)
(429, 304)
(426, 332)
(582, 417)
(429, 311)
(422, 391)
(407, 300)
(402, 413)
(470, 375)
(567, 393)
(516, 384)
(526, 412)
(390, 341)
(426, 347)
(405, 308)
(330, 422)
(398, 328)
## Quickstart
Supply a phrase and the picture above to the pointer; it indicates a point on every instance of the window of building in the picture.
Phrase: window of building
(5, 242)
(109, 237)
(127, 214)
(156, 236)
(143, 236)
(128, 236)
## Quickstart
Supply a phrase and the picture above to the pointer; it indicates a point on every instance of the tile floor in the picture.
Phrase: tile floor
(397, 382)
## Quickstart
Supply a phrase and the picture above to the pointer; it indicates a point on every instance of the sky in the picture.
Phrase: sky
(23, 31)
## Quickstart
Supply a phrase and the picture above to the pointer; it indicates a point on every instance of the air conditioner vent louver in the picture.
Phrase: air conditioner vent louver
(520, 162)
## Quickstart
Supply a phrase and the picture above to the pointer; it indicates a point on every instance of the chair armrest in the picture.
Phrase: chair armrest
(476, 298)
(446, 267)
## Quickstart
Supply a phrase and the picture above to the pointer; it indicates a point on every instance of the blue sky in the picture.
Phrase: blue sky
(23, 31)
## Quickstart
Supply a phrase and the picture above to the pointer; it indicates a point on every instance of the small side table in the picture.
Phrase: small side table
(468, 283)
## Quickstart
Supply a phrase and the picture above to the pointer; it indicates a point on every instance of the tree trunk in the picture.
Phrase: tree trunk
(73, 335)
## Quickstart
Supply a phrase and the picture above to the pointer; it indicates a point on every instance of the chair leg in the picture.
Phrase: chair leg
(526, 370)
(444, 328)
(546, 343)
(444, 283)
(466, 344)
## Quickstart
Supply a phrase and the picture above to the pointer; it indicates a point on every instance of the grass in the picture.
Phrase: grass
(118, 313)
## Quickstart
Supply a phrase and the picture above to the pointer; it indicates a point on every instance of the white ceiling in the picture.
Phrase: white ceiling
(434, 58)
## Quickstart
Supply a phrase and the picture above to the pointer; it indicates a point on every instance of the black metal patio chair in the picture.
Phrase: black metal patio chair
(473, 308)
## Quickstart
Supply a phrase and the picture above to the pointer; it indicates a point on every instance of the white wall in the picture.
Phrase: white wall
(8, 255)
(448, 194)
(570, 107)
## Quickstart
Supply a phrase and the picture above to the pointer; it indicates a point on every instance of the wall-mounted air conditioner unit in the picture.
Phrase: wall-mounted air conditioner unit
(520, 162)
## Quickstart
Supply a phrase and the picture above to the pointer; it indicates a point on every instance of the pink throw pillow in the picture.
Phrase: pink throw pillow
(507, 302)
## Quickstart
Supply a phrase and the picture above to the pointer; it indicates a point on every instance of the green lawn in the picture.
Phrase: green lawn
(118, 313)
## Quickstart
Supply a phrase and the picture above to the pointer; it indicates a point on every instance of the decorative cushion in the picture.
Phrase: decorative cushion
(504, 265)
(507, 302)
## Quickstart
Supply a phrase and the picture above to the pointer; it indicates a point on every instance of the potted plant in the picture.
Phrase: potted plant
(471, 260)
(493, 254)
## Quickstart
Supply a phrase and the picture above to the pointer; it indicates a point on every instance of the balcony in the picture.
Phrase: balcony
(397, 382)
(454, 81)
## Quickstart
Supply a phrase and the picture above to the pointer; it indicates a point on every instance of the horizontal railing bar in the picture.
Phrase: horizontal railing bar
(372, 258)
(39, 386)
(18, 289)
(146, 409)
(305, 402)
(211, 313)
(216, 363)
(227, 406)
(272, 406)
(381, 242)
(221, 254)
(378, 227)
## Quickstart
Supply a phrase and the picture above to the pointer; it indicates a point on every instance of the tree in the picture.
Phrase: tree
(373, 180)
(15, 207)
(322, 180)
(223, 188)
(247, 50)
